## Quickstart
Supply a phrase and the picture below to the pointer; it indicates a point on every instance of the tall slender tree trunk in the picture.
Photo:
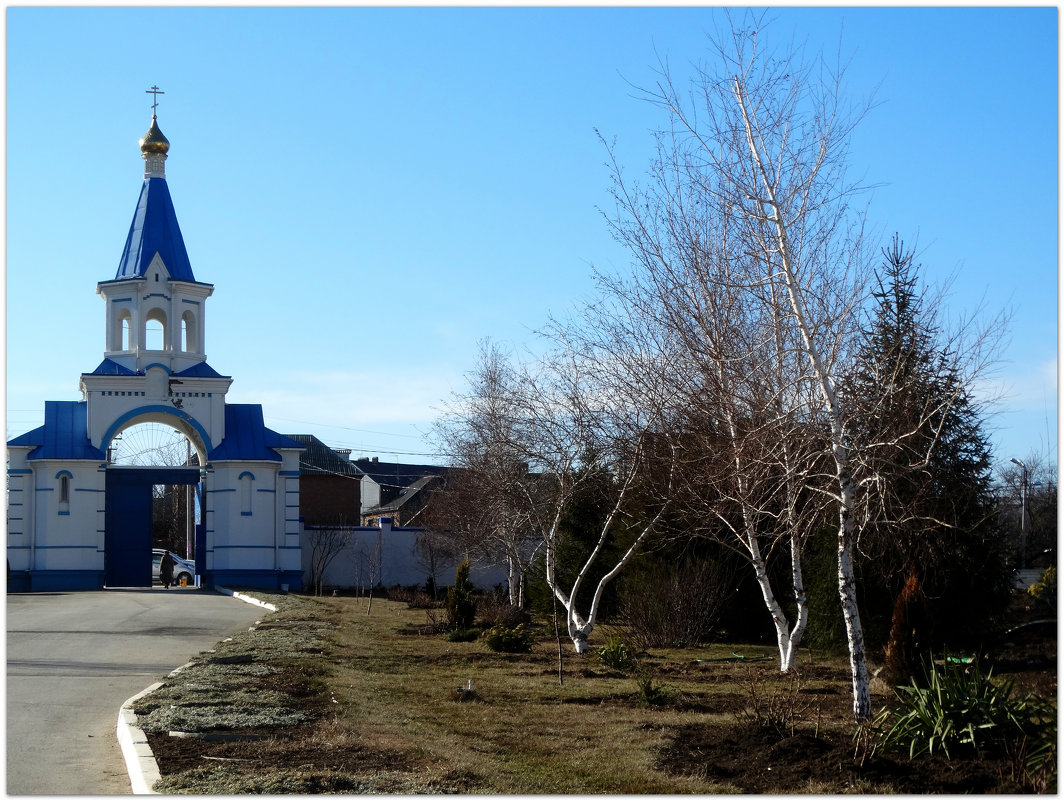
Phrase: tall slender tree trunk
(787, 637)
(820, 372)
(801, 602)
(515, 580)
(862, 700)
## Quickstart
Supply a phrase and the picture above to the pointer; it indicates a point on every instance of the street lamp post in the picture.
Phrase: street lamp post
(1023, 513)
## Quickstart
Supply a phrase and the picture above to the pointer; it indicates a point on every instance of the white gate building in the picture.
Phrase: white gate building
(75, 520)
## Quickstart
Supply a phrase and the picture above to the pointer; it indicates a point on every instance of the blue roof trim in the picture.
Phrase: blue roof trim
(111, 367)
(200, 370)
(154, 230)
(30, 438)
(64, 435)
(246, 436)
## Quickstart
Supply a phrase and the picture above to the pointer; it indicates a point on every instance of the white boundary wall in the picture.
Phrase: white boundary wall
(398, 562)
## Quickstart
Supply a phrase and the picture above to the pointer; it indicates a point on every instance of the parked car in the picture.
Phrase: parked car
(183, 568)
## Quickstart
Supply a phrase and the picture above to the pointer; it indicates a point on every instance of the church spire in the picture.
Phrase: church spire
(154, 232)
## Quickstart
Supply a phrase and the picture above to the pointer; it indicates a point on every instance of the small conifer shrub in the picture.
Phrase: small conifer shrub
(461, 605)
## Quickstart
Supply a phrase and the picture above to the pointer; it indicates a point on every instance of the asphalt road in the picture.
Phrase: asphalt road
(73, 658)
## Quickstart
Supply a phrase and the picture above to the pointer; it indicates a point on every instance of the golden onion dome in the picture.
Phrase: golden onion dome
(154, 141)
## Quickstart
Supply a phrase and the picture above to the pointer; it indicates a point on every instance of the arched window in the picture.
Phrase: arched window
(155, 330)
(189, 341)
(125, 331)
(64, 477)
(246, 480)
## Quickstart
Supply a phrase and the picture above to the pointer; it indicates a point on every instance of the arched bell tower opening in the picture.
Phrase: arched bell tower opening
(155, 330)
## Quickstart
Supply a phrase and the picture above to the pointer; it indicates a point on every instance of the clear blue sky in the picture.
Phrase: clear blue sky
(372, 191)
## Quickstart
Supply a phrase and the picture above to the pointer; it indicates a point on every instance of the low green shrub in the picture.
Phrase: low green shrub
(649, 692)
(1045, 589)
(616, 654)
(463, 635)
(509, 639)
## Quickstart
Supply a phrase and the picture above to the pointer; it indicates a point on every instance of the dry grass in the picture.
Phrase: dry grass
(518, 735)
(394, 690)
(344, 698)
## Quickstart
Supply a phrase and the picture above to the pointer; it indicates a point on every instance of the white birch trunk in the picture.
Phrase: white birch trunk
(779, 618)
(862, 701)
(787, 638)
(847, 586)
(578, 626)
(514, 580)
(790, 661)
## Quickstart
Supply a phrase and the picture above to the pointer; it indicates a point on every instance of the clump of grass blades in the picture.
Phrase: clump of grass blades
(648, 692)
(616, 654)
(961, 709)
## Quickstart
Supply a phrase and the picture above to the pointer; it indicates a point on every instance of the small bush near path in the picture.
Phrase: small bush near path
(336, 697)
(509, 639)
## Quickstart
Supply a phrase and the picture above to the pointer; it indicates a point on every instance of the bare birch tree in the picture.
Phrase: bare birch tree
(594, 409)
(758, 146)
(615, 374)
(748, 454)
(326, 543)
(491, 500)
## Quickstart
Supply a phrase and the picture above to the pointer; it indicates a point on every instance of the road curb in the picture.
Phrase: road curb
(141, 766)
(246, 598)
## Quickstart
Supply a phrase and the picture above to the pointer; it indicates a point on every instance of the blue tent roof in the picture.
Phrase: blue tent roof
(111, 367)
(155, 230)
(200, 370)
(64, 434)
(246, 436)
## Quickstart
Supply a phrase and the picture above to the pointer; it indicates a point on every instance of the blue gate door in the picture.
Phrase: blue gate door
(128, 521)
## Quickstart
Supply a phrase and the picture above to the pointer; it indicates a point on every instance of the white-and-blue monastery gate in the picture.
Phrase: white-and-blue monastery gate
(77, 521)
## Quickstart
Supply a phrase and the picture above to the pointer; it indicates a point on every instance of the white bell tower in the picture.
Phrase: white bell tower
(155, 307)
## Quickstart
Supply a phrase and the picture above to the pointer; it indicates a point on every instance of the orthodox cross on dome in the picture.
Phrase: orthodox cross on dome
(155, 91)
(154, 145)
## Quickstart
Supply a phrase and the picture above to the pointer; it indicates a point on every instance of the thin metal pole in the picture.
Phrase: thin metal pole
(1023, 521)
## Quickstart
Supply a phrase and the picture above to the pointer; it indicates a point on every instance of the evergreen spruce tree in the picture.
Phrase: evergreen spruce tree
(461, 604)
(924, 469)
